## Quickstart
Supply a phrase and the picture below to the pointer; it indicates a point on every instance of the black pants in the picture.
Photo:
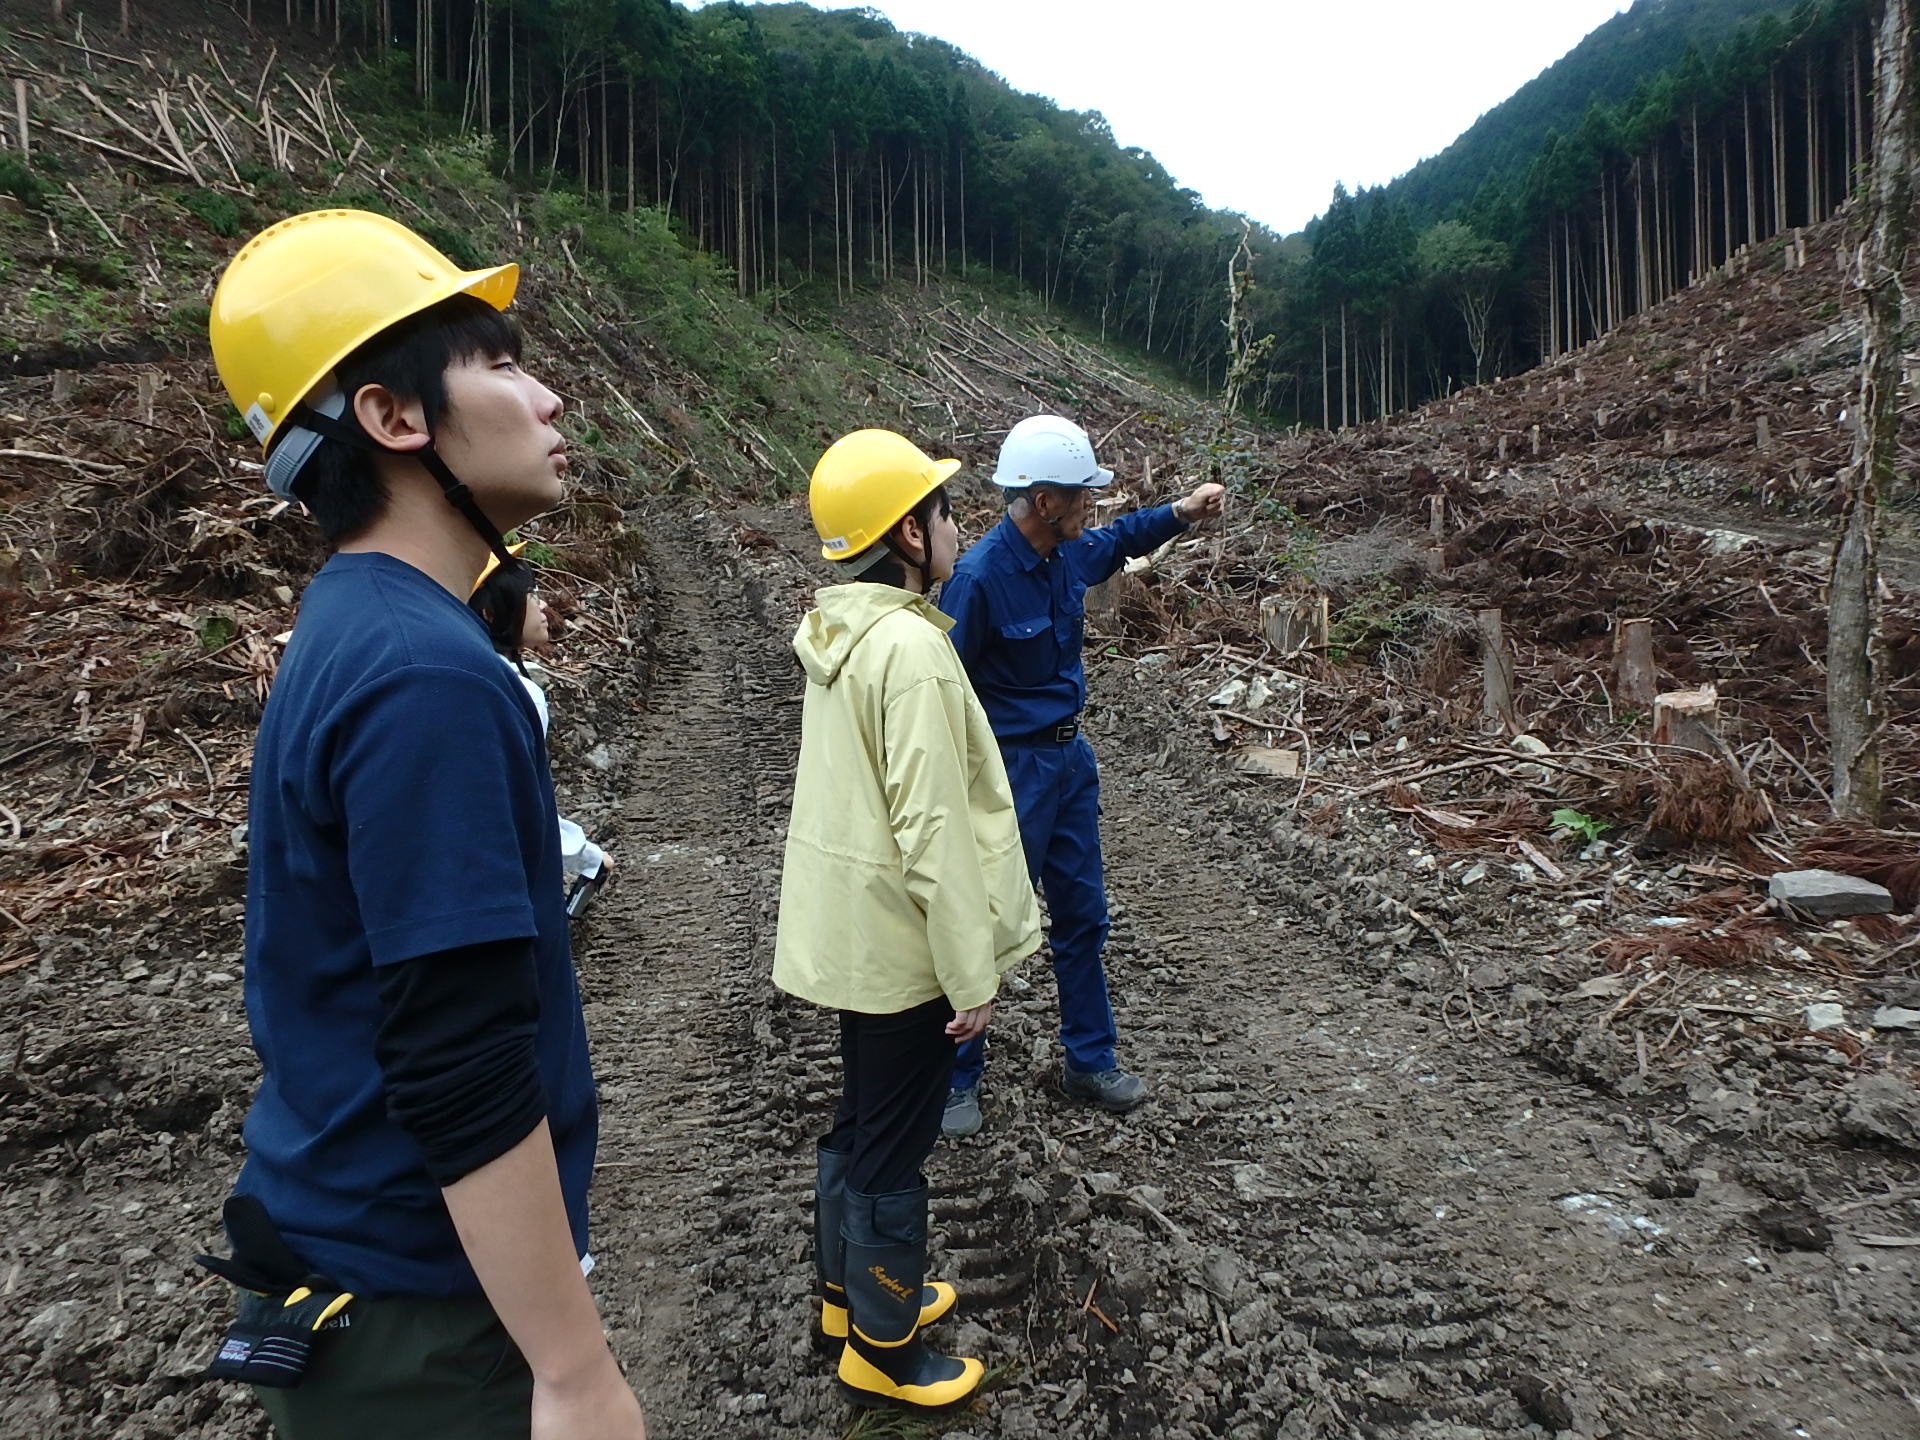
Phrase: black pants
(409, 1366)
(894, 1088)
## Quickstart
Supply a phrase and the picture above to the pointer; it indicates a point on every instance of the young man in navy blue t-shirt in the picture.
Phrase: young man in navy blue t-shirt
(424, 1131)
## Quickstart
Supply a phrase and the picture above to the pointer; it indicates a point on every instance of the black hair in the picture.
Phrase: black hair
(341, 485)
(501, 603)
(893, 569)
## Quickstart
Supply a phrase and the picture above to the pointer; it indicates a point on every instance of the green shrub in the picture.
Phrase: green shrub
(18, 180)
(220, 213)
(456, 245)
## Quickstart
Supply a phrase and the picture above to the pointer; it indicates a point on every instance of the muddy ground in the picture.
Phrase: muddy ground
(1382, 1190)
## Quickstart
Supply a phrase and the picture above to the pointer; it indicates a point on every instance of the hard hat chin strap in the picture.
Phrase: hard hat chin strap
(455, 489)
(923, 567)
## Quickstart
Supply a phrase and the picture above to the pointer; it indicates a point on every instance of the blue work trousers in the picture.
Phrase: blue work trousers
(1056, 789)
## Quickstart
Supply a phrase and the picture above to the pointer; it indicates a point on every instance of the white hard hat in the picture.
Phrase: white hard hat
(1048, 450)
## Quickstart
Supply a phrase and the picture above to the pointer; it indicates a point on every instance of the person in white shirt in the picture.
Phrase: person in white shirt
(516, 619)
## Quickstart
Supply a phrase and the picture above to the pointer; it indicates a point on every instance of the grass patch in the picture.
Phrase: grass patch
(1375, 616)
(219, 212)
(18, 179)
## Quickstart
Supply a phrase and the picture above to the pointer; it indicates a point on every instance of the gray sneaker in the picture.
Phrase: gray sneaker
(1113, 1089)
(962, 1117)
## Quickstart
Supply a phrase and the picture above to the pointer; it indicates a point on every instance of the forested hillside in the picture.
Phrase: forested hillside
(1556, 217)
(808, 148)
(1605, 68)
(825, 152)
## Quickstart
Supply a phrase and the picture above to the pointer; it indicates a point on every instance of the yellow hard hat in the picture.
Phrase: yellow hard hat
(864, 484)
(493, 564)
(302, 295)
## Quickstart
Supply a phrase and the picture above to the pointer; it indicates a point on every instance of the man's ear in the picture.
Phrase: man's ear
(914, 538)
(390, 422)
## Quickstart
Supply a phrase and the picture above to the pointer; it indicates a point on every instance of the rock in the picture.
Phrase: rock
(1894, 1017)
(1792, 1227)
(1544, 1403)
(600, 758)
(1883, 1108)
(1826, 893)
(1825, 1017)
(54, 1322)
(1531, 745)
(1253, 1182)
(1266, 760)
(1228, 694)
(1775, 1179)
(1673, 1187)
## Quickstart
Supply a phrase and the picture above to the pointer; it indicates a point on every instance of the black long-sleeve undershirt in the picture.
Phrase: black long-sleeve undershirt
(457, 1051)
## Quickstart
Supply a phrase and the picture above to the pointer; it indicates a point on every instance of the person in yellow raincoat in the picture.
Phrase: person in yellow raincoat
(903, 899)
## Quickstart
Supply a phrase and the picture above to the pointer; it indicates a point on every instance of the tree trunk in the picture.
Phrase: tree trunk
(1777, 114)
(1326, 410)
(1343, 364)
(1856, 670)
(1815, 212)
(1746, 121)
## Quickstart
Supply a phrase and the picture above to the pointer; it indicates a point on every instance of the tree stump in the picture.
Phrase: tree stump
(1496, 669)
(1688, 718)
(1634, 678)
(1293, 623)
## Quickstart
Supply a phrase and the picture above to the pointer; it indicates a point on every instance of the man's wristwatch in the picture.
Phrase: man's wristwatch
(1179, 513)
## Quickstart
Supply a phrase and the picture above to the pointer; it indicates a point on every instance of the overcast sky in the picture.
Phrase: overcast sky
(1261, 105)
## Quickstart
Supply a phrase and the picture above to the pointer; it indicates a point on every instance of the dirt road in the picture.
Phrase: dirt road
(1337, 1218)
(1348, 1211)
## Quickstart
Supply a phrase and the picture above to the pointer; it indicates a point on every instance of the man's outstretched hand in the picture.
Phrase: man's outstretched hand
(1205, 503)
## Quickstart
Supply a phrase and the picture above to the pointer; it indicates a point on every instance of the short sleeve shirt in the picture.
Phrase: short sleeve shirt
(401, 806)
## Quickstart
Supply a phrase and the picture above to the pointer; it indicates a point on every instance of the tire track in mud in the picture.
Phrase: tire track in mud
(675, 988)
(1222, 1262)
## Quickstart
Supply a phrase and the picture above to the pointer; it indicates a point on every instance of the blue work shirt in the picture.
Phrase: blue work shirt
(401, 806)
(1019, 620)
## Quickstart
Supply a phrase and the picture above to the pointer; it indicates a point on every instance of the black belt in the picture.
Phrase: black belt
(1060, 734)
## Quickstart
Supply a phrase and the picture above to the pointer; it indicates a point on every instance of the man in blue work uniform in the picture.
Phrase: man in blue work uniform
(1017, 599)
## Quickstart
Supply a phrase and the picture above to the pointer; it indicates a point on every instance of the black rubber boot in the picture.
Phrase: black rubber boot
(885, 1363)
(829, 1190)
